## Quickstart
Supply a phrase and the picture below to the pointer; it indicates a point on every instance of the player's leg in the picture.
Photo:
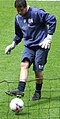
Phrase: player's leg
(19, 91)
(39, 82)
(26, 61)
(23, 75)
(40, 61)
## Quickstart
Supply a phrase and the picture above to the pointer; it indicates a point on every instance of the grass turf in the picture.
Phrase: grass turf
(49, 106)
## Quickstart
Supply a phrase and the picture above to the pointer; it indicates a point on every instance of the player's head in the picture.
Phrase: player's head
(21, 6)
(20, 3)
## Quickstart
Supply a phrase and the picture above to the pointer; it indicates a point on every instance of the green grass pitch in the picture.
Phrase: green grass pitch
(49, 105)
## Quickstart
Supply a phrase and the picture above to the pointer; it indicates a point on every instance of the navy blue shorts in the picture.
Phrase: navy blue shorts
(36, 56)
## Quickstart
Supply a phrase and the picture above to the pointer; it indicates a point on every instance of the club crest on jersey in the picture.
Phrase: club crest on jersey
(30, 21)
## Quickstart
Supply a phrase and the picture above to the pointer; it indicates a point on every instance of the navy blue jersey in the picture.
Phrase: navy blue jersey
(34, 26)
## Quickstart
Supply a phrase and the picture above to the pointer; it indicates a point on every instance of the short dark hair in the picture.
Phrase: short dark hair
(20, 3)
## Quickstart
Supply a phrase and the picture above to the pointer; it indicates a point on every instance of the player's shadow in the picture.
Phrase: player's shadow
(41, 102)
(23, 113)
(44, 100)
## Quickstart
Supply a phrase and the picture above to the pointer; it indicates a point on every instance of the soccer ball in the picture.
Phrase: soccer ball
(17, 104)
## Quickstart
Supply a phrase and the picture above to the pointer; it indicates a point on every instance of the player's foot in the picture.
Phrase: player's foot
(15, 92)
(36, 96)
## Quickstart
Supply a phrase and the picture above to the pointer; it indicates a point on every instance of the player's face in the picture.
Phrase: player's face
(22, 11)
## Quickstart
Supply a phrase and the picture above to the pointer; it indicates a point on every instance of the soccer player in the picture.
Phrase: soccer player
(36, 27)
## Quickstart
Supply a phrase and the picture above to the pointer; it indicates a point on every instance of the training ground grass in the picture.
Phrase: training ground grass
(49, 106)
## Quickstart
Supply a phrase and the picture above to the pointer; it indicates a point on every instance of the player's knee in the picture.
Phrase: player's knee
(24, 65)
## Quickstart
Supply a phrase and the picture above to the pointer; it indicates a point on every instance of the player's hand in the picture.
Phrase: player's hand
(46, 43)
(9, 48)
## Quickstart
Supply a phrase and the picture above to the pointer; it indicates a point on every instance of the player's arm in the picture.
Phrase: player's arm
(17, 39)
(50, 21)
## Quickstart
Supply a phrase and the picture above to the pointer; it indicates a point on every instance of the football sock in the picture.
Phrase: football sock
(38, 87)
(21, 86)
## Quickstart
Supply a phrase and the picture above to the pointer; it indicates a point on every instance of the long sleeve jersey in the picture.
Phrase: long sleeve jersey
(34, 26)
